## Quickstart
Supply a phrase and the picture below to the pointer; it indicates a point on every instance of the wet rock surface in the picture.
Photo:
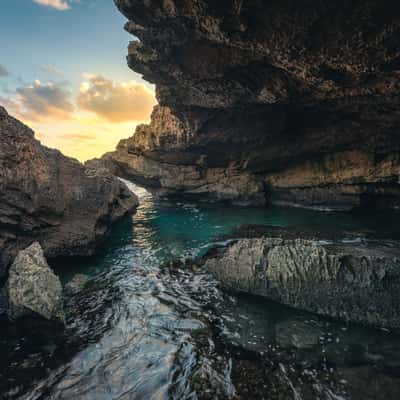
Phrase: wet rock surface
(261, 350)
(33, 290)
(292, 102)
(354, 281)
(52, 199)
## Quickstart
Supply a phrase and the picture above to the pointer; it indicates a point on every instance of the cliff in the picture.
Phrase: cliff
(293, 102)
(53, 199)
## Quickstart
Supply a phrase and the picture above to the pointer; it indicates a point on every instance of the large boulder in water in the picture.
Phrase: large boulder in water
(358, 281)
(52, 199)
(33, 288)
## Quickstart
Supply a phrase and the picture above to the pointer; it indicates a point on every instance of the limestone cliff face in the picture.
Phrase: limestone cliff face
(53, 199)
(286, 101)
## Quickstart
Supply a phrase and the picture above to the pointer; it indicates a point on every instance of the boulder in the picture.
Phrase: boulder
(351, 281)
(33, 288)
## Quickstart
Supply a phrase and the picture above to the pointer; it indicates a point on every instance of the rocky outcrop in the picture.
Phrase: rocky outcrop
(353, 281)
(52, 199)
(292, 102)
(33, 288)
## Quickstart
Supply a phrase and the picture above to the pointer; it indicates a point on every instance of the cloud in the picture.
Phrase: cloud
(10, 105)
(114, 101)
(79, 136)
(83, 126)
(61, 5)
(41, 101)
(3, 71)
(52, 70)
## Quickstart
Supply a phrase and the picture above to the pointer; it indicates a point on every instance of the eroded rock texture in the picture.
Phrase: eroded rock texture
(350, 281)
(33, 288)
(290, 101)
(51, 198)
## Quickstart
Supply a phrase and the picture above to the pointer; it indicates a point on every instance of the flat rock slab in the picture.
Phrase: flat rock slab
(357, 282)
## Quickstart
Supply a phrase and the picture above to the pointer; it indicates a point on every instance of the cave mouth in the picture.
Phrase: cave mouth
(330, 155)
(297, 101)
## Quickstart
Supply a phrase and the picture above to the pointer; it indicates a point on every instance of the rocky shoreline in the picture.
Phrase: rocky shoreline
(262, 349)
(50, 206)
(52, 199)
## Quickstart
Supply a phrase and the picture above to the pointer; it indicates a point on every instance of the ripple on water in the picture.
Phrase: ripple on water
(138, 331)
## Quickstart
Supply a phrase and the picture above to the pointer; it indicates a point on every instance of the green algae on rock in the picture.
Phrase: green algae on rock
(355, 282)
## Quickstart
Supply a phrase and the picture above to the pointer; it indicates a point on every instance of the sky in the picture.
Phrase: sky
(63, 72)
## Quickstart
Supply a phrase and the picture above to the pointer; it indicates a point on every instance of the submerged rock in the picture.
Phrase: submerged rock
(52, 199)
(76, 284)
(33, 288)
(292, 102)
(358, 282)
(298, 334)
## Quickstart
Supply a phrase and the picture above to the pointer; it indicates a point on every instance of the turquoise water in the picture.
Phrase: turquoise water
(131, 329)
(165, 230)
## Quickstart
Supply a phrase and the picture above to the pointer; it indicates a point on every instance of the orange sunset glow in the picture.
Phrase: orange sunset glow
(86, 125)
(78, 93)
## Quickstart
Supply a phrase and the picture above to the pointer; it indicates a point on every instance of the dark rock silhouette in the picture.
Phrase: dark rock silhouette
(52, 199)
(291, 102)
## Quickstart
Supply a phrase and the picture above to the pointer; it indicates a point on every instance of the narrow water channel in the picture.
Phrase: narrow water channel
(138, 330)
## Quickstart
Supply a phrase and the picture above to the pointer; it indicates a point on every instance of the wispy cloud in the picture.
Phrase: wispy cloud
(61, 5)
(104, 99)
(41, 102)
(79, 136)
(4, 71)
(52, 70)
(10, 105)
(86, 125)
(115, 101)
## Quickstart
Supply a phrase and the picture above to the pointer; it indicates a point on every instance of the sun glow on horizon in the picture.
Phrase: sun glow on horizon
(88, 125)
(83, 138)
(69, 80)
